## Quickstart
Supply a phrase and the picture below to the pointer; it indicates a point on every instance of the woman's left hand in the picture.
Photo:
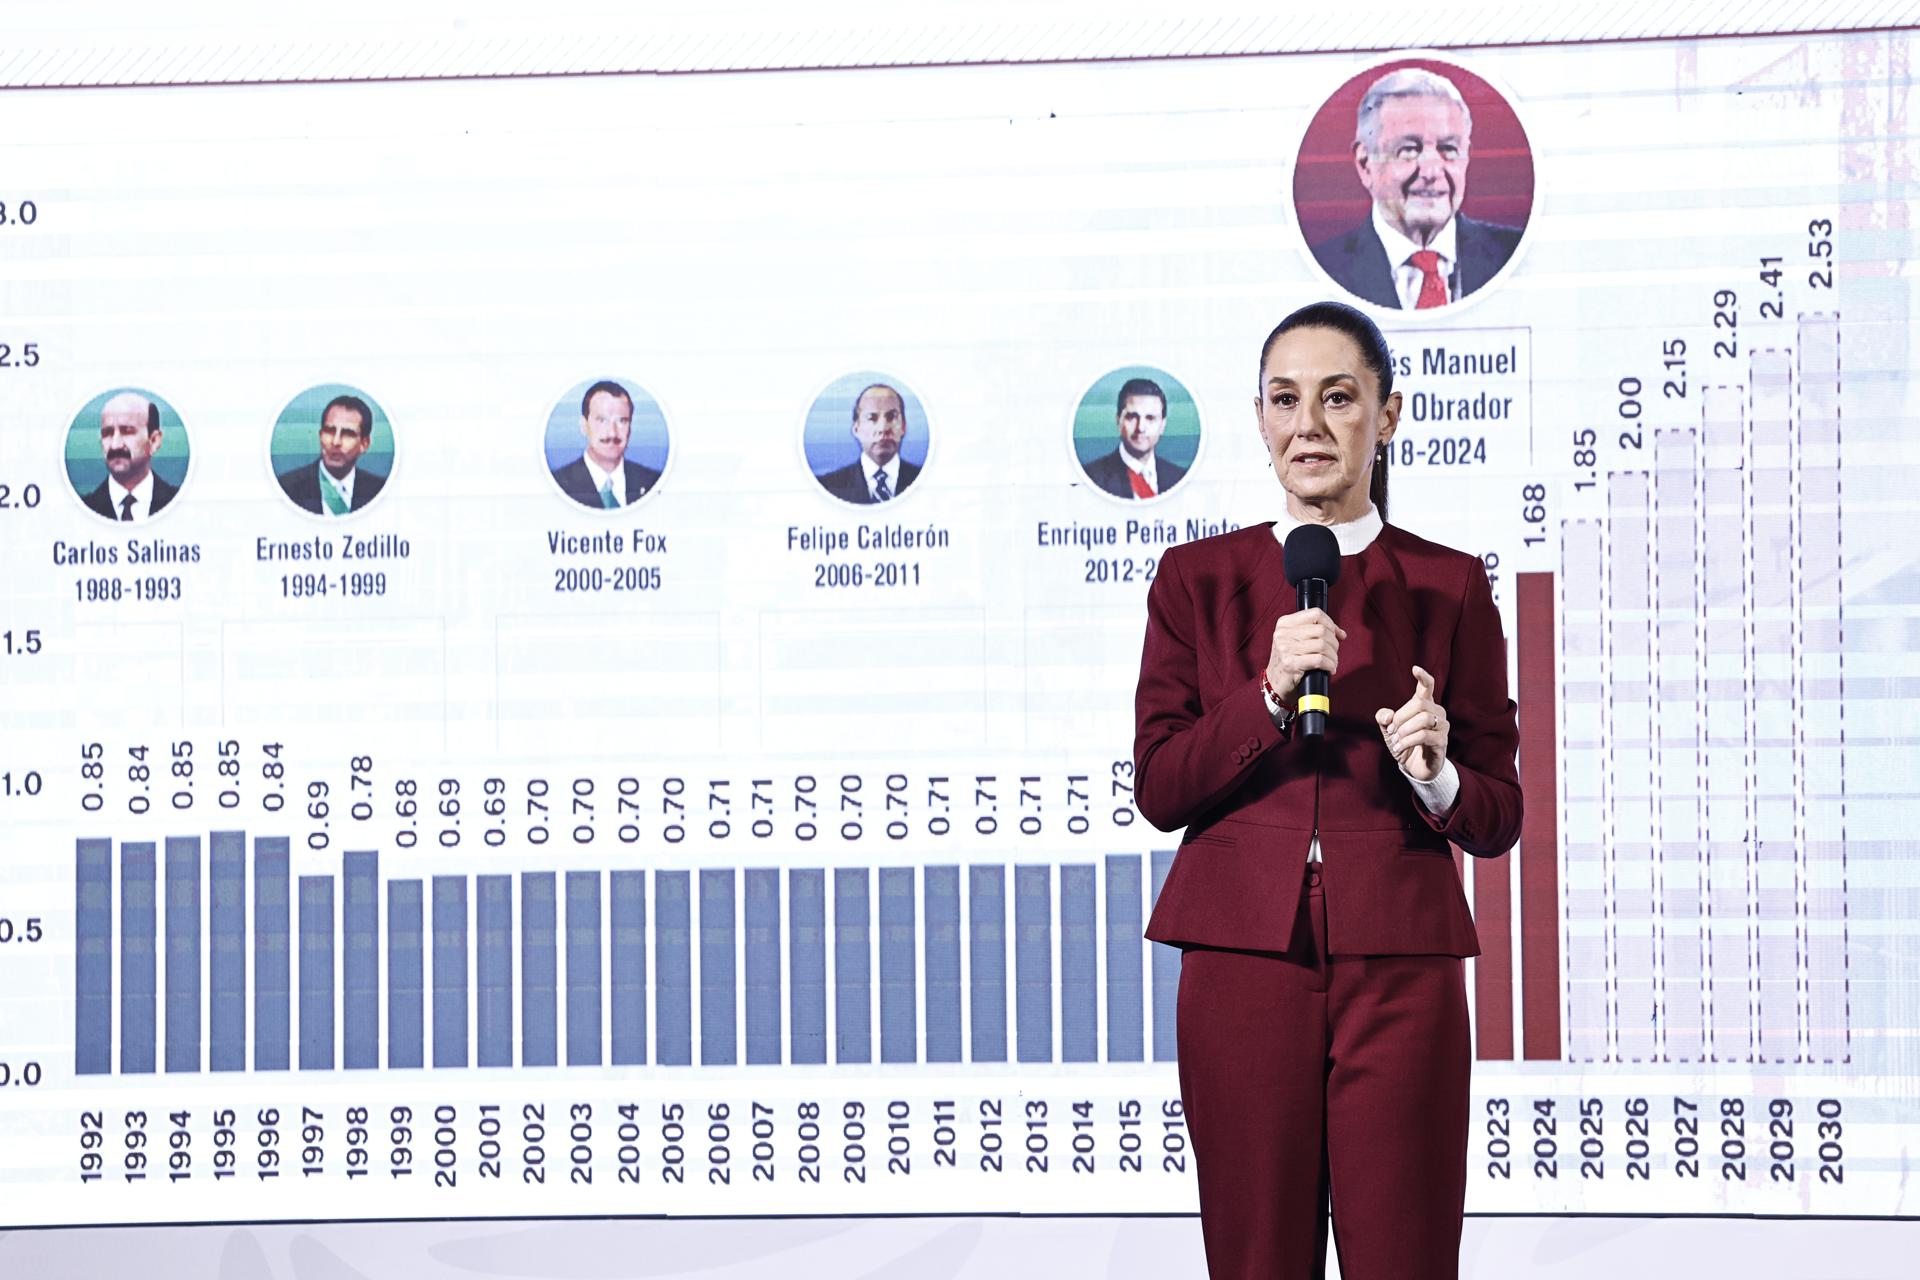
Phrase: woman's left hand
(1416, 734)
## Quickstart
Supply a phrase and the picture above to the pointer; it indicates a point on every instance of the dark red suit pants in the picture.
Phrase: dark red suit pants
(1305, 1076)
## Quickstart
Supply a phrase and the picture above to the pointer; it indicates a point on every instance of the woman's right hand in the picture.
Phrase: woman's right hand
(1304, 641)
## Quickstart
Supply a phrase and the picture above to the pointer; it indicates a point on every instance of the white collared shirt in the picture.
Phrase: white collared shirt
(893, 474)
(342, 487)
(1148, 467)
(1355, 536)
(600, 479)
(1407, 278)
(142, 496)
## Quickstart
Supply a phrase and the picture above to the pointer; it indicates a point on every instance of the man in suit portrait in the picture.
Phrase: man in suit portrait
(602, 476)
(1412, 144)
(335, 483)
(1134, 469)
(129, 435)
(880, 473)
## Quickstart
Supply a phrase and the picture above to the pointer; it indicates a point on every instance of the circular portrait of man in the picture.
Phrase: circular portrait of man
(332, 450)
(1414, 185)
(127, 454)
(606, 443)
(1136, 433)
(866, 438)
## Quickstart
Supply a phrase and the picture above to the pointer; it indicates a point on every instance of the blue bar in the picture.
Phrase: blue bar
(316, 973)
(493, 923)
(763, 965)
(987, 956)
(1166, 974)
(227, 976)
(272, 956)
(899, 1024)
(583, 968)
(449, 971)
(183, 953)
(1033, 962)
(1079, 966)
(539, 971)
(629, 889)
(852, 968)
(93, 957)
(360, 960)
(718, 1003)
(406, 975)
(137, 981)
(673, 963)
(1126, 993)
(807, 965)
(942, 907)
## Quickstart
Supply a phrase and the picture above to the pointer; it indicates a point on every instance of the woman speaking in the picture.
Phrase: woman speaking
(1323, 1035)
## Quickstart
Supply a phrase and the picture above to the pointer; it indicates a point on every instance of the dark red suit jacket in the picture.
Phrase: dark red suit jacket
(1208, 758)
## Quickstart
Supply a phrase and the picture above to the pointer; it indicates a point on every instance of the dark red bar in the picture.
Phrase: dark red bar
(1493, 970)
(1540, 831)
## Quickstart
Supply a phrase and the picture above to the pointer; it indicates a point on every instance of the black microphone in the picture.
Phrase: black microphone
(1312, 556)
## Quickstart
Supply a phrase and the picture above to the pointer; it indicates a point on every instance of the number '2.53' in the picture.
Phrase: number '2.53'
(1820, 250)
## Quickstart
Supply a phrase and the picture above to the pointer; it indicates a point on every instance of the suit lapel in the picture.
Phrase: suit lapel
(1267, 594)
(1373, 271)
(1382, 587)
(1476, 252)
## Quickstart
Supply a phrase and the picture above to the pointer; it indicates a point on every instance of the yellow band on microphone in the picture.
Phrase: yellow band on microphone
(1315, 702)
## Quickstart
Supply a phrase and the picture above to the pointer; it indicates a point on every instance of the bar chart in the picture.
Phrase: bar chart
(936, 964)
(1703, 742)
(740, 850)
